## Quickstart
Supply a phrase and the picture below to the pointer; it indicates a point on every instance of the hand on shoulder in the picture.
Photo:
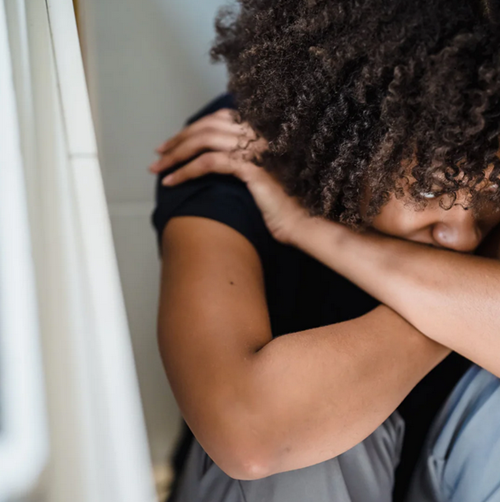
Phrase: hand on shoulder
(220, 143)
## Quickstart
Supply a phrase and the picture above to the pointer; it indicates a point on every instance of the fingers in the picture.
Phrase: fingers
(222, 120)
(194, 145)
(212, 162)
(215, 143)
(217, 131)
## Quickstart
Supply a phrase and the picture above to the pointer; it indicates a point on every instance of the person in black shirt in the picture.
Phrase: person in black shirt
(301, 294)
(263, 405)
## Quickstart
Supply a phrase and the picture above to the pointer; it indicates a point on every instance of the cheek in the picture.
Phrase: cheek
(397, 220)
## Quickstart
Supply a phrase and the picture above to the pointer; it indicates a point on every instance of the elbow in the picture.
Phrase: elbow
(237, 427)
(240, 441)
(253, 444)
(240, 459)
(245, 468)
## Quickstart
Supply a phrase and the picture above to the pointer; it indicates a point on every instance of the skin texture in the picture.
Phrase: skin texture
(458, 310)
(454, 228)
(257, 405)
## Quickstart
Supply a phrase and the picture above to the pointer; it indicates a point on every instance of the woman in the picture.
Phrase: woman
(380, 117)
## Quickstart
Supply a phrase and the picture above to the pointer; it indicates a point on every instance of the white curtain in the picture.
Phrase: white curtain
(56, 237)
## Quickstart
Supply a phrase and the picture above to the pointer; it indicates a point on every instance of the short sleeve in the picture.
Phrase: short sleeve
(219, 197)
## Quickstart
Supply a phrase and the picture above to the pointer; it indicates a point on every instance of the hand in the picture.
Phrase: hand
(218, 144)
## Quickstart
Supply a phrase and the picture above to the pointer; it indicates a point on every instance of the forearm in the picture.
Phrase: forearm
(452, 298)
(260, 405)
(324, 390)
(301, 398)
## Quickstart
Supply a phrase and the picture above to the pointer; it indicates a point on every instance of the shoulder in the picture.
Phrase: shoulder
(215, 196)
(223, 101)
(219, 197)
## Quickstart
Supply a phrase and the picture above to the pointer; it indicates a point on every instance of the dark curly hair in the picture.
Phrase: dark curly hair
(356, 96)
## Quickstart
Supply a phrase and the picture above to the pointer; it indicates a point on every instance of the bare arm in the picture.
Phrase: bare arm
(451, 297)
(259, 406)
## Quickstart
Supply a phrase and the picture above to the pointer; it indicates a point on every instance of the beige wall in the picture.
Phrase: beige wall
(147, 70)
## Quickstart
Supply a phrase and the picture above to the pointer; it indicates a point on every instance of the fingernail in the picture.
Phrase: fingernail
(167, 179)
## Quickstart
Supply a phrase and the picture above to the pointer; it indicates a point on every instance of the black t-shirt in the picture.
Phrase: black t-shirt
(301, 292)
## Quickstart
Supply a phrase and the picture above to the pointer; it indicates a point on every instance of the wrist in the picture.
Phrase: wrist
(310, 233)
(297, 229)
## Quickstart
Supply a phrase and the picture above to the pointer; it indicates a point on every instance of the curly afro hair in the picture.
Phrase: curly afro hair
(360, 97)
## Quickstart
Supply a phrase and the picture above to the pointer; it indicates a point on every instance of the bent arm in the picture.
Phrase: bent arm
(451, 297)
(259, 405)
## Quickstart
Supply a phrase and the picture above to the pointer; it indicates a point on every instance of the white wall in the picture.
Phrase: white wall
(148, 69)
